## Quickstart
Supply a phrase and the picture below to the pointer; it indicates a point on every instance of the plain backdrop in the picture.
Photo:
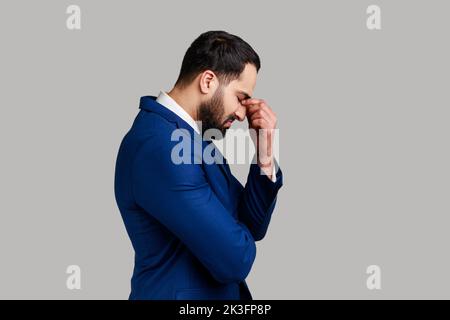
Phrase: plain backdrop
(364, 140)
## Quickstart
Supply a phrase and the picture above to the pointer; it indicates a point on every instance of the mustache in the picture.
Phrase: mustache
(230, 118)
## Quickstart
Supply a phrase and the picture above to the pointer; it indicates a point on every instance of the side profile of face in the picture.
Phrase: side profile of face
(225, 106)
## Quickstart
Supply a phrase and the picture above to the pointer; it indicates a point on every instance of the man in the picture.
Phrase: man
(193, 226)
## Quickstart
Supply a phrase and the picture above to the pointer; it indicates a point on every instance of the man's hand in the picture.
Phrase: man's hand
(263, 120)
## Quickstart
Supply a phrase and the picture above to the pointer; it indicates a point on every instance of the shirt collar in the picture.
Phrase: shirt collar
(168, 102)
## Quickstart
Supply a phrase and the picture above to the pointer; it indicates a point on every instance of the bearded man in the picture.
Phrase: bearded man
(193, 226)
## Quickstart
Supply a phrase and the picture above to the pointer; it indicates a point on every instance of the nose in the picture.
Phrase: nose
(240, 113)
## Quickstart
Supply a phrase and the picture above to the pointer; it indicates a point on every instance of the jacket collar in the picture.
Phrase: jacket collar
(149, 103)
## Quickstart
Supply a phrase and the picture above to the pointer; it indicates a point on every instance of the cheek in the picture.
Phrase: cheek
(231, 105)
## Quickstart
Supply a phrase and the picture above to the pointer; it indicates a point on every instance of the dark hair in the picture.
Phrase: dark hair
(219, 51)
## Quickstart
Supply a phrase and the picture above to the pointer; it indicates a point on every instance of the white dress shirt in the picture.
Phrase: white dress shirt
(168, 102)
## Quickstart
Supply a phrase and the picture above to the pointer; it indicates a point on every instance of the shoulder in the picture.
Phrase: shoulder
(150, 123)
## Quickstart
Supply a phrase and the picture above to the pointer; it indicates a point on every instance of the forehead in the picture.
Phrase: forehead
(246, 81)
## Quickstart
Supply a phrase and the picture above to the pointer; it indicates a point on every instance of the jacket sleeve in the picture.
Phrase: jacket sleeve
(258, 199)
(179, 196)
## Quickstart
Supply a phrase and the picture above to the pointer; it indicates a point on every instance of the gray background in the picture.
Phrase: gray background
(363, 118)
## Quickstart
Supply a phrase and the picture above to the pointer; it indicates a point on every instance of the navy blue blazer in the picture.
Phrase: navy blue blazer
(193, 226)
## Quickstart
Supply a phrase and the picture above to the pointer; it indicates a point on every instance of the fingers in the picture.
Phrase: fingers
(251, 101)
(253, 105)
(260, 123)
(259, 113)
(260, 117)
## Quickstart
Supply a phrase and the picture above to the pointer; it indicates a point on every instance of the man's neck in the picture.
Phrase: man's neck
(184, 100)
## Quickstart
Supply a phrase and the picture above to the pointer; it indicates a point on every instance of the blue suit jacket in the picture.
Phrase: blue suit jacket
(193, 226)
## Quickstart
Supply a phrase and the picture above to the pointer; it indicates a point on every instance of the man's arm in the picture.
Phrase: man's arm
(258, 200)
(259, 195)
(181, 199)
(265, 179)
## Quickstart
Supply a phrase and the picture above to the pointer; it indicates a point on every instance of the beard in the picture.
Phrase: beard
(211, 114)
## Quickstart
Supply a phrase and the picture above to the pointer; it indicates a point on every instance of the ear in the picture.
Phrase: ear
(208, 82)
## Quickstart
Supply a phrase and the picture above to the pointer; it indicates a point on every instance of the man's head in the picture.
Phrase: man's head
(219, 70)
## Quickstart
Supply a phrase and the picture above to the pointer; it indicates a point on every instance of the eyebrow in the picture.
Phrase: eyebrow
(246, 95)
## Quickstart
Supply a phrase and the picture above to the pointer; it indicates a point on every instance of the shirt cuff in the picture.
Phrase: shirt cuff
(274, 172)
(274, 175)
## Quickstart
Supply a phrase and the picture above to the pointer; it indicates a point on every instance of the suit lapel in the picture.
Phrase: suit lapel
(218, 173)
(219, 176)
(220, 160)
